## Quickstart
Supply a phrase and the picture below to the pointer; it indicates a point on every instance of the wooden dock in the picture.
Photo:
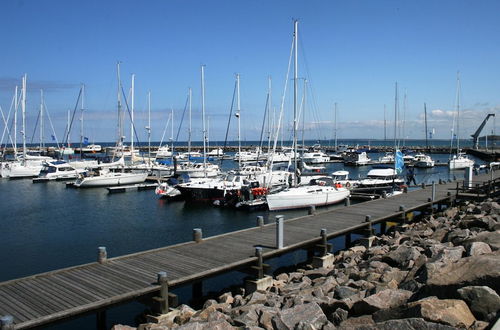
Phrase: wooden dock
(48, 297)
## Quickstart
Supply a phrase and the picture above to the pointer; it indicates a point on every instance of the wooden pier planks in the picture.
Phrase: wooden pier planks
(47, 297)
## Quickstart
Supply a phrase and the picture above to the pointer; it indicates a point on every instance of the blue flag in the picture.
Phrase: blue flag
(85, 140)
(53, 138)
(398, 162)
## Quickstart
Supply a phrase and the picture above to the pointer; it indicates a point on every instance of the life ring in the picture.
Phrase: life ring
(321, 183)
(347, 184)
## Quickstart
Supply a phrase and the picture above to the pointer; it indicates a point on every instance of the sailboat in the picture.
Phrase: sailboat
(26, 166)
(321, 191)
(104, 176)
(460, 160)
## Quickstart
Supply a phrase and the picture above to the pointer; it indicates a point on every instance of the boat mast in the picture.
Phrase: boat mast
(385, 126)
(203, 120)
(16, 105)
(172, 136)
(395, 116)
(336, 127)
(23, 113)
(295, 87)
(458, 112)
(189, 131)
(425, 121)
(82, 107)
(132, 89)
(148, 128)
(238, 109)
(119, 105)
(269, 105)
(41, 119)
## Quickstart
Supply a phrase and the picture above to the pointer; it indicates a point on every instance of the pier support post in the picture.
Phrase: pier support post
(279, 231)
(326, 259)
(102, 254)
(403, 215)
(260, 221)
(311, 210)
(368, 219)
(262, 282)
(348, 240)
(197, 235)
(347, 201)
(163, 299)
(383, 227)
(197, 290)
(101, 320)
(7, 322)
(433, 192)
(423, 185)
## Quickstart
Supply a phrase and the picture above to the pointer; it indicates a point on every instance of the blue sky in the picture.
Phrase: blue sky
(351, 52)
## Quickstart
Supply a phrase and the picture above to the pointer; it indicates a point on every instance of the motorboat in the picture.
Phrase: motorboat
(217, 152)
(212, 189)
(342, 177)
(163, 152)
(381, 177)
(316, 157)
(460, 161)
(168, 191)
(92, 148)
(357, 158)
(321, 192)
(198, 170)
(58, 170)
(388, 158)
(423, 161)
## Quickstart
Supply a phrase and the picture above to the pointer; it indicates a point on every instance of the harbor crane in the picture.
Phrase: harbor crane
(475, 136)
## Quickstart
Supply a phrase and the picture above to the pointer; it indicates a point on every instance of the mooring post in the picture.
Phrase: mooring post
(324, 242)
(197, 235)
(102, 255)
(347, 201)
(163, 282)
(433, 193)
(403, 215)
(368, 219)
(7, 322)
(423, 185)
(279, 231)
(311, 210)
(457, 189)
(260, 221)
(260, 263)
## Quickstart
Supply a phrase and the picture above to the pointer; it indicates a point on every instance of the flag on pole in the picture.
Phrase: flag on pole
(398, 162)
(53, 137)
(85, 140)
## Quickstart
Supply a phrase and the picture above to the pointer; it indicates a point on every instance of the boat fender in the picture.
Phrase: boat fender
(348, 184)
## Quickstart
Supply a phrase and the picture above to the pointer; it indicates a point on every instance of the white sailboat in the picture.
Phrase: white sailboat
(460, 160)
(322, 191)
(104, 176)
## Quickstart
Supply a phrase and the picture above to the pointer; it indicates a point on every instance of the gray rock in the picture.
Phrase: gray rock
(394, 274)
(343, 292)
(452, 312)
(213, 325)
(443, 280)
(266, 317)
(449, 254)
(226, 298)
(482, 300)
(402, 256)
(356, 322)
(477, 248)
(491, 238)
(381, 300)
(408, 324)
(339, 316)
(282, 277)
(248, 318)
(457, 236)
(185, 313)
(309, 313)
(256, 298)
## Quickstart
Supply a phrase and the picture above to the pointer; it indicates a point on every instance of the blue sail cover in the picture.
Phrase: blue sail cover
(398, 161)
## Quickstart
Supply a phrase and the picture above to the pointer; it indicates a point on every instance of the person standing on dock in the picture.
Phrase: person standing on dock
(410, 176)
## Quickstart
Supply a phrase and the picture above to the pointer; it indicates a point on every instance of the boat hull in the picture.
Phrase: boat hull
(111, 179)
(289, 199)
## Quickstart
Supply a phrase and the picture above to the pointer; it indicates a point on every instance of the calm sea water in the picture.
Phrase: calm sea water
(47, 226)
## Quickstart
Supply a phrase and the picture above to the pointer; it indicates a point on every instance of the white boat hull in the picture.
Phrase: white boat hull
(302, 197)
(111, 179)
(457, 164)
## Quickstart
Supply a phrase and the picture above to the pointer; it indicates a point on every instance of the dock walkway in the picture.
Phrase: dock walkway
(59, 294)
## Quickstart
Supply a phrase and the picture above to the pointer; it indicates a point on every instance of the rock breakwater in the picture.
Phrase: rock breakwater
(442, 272)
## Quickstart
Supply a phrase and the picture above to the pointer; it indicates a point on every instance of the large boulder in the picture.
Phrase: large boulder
(212, 325)
(491, 238)
(477, 248)
(443, 280)
(382, 300)
(308, 313)
(453, 312)
(403, 256)
(482, 300)
(447, 254)
(408, 324)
